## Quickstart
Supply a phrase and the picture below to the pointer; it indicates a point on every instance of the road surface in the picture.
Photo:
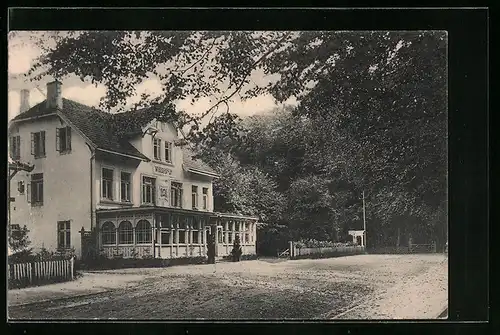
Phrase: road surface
(354, 287)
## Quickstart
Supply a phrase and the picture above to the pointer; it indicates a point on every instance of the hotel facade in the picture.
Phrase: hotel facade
(141, 194)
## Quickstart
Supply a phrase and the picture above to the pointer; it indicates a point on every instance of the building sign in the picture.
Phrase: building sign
(161, 170)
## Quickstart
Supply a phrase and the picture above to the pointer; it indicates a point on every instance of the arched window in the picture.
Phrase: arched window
(143, 232)
(108, 233)
(125, 233)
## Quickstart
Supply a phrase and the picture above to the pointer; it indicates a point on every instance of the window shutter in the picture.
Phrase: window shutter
(58, 140)
(68, 138)
(33, 143)
(28, 192)
(42, 138)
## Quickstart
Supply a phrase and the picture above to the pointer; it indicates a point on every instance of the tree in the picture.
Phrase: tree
(372, 106)
(19, 245)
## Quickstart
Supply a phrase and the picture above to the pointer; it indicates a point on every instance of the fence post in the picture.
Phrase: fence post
(72, 266)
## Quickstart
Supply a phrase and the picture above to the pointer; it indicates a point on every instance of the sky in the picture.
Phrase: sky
(22, 53)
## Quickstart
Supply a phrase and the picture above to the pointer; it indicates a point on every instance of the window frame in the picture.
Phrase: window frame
(35, 190)
(176, 187)
(67, 140)
(66, 231)
(155, 147)
(143, 191)
(127, 233)
(112, 232)
(195, 196)
(168, 155)
(140, 233)
(127, 184)
(205, 198)
(38, 151)
(110, 187)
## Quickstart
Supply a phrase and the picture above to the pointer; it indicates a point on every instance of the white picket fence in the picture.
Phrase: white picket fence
(36, 273)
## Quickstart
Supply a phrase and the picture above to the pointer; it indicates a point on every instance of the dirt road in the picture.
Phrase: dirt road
(302, 289)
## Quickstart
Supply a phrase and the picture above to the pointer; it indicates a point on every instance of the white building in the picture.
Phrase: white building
(141, 194)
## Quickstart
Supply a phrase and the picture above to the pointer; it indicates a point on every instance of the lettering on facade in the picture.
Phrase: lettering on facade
(162, 170)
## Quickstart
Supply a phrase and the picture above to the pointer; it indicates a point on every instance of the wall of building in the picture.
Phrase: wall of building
(66, 186)
(165, 173)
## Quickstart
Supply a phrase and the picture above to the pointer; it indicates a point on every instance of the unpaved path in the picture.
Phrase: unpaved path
(424, 296)
(301, 289)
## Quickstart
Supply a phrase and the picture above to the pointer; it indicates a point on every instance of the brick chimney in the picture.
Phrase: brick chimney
(54, 95)
(25, 101)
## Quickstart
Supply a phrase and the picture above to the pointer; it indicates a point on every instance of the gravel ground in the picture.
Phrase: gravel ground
(393, 286)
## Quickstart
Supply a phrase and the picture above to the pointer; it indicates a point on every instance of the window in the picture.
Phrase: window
(202, 231)
(165, 236)
(165, 221)
(182, 231)
(196, 231)
(63, 139)
(205, 198)
(63, 235)
(38, 144)
(125, 186)
(194, 196)
(220, 239)
(35, 189)
(157, 149)
(15, 147)
(148, 190)
(125, 233)
(176, 194)
(108, 233)
(168, 152)
(107, 184)
(143, 233)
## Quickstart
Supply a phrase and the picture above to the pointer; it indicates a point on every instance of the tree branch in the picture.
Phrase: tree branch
(242, 82)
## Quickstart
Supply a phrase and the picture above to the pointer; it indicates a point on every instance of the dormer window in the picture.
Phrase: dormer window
(157, 149)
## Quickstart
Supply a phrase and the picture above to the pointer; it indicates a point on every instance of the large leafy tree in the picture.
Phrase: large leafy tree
(372, 106)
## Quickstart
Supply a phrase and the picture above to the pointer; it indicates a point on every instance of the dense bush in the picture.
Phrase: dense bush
(311, 243)
(249, 257)
(28, 256)
(331, 254)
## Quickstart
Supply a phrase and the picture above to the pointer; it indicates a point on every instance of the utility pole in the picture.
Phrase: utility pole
(364, 220)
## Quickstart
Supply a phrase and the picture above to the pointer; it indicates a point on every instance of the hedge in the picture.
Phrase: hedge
(331, 254)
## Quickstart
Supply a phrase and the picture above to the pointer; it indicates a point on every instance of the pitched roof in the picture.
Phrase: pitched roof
(196, 164)
(96, 125)
(93, 123)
